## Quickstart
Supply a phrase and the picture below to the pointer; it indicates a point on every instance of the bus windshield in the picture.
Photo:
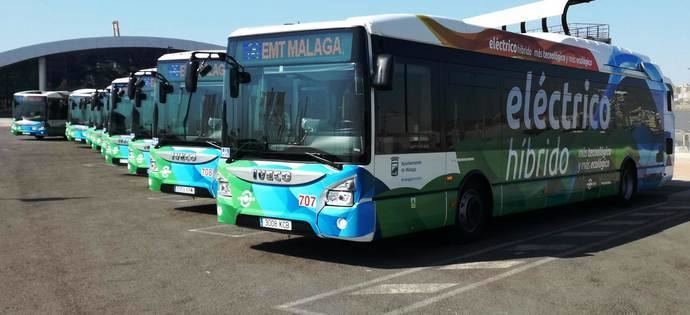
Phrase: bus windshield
(121, 115)
(142, 116)
(79, 110)
(194, 118)
(294, 109)
(30, 107)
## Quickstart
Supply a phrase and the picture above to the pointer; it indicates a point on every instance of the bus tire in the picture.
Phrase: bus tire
(628, 182)
(473, 211)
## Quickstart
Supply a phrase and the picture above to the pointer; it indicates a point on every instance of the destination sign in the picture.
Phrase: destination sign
(176, 71)
(308, 48)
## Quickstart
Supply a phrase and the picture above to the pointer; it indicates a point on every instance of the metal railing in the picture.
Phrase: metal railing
(592, 31)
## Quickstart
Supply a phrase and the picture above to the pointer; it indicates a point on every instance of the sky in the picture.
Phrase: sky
(657, 28)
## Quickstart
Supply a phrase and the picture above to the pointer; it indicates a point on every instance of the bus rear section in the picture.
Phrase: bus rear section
(188, 135)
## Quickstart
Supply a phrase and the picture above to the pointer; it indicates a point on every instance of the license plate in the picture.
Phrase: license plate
(124, 161)
(185, 190)
(25, 133)
(284, 225)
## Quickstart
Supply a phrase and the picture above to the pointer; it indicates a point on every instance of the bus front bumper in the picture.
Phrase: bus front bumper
(356, 223)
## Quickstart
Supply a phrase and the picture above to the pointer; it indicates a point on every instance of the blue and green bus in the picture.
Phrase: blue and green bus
(188, 126)
(118, 131)
(78, 117)
(100, 119)
(39, 114)
(143, 84)
(381, 126)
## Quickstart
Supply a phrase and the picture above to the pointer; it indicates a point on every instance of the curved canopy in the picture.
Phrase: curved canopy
(35, 51)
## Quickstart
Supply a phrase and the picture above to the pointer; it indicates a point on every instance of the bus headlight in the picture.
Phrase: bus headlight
(114, 150)
(342, 195)
(223, 186)
(152, 166)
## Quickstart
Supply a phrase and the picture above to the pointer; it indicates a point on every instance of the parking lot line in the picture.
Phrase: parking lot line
(585, 234)
(292, 306)
(406, 288)
(541, 247)
(205, 230)
(502, 264)
(623, 222)
(653, 214)
(432, 300)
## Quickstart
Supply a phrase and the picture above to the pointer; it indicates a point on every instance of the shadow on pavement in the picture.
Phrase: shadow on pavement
(541, 229)
(52, 139)
(203, 209)
(47, 199)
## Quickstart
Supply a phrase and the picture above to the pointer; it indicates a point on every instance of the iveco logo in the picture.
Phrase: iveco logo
(183, 157)
(272, 176)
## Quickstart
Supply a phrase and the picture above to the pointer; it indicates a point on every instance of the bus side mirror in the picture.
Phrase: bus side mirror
(163, 89)
(131, 87)
(383, 77)
(238, 77)
(669, 146)
(191, 75)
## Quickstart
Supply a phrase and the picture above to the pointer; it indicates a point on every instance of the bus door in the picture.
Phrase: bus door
(410, 159)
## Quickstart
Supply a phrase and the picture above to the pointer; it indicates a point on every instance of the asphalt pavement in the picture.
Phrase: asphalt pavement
(79, 236)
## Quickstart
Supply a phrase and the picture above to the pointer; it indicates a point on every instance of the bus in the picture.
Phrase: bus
(78, 118)
(118, 133)
(94, 117)
(39, 114)
(142, 91)
(95, 135)
(188, 126)
(381, 126)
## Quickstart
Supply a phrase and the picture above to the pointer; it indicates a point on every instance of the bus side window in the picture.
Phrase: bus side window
(407, 118)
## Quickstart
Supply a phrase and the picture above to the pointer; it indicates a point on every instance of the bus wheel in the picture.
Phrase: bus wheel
(473, 212)
(628, 182)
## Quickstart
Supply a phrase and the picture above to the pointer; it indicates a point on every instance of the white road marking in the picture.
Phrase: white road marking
(623, 222)
(653, 214)
(291, 306)
(675, 208)
(205, 230)
(406, 288)
(585, 234)
(484, 265)
(515, 271)
(541, 247)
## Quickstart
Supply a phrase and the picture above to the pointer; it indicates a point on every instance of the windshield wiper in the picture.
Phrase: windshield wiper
(320, 157)
(213, 144)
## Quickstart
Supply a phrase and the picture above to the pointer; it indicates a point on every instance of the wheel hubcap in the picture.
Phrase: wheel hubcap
(470, 211)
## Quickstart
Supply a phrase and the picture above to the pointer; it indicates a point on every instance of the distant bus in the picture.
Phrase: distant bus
(95, 133)
(39, 114)
(118, 130)
(381, 126)
(78, 118)
(142, 120)
(188, 128)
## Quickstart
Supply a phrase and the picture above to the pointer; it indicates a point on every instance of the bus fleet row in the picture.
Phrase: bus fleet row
(378, 126)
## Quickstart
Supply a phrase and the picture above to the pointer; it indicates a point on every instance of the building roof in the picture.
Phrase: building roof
(35, 51)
